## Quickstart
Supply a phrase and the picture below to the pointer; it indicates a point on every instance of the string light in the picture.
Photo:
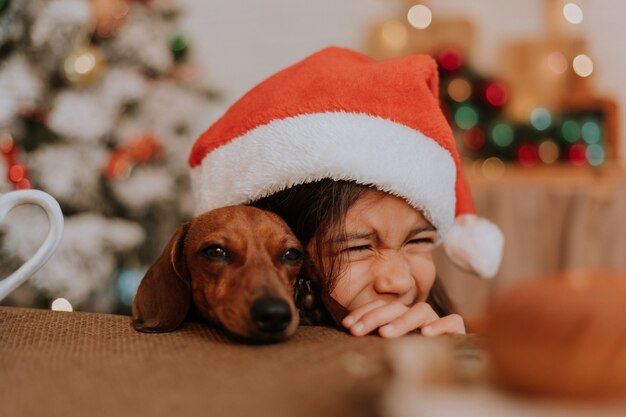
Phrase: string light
(466, 117)
(493, 168)
(577, 154)
(420, 16)
(61, 304)
(496, 94)
(573, 13)
(450, 59)
(394, 34)
(583, 66)
(527, 155)
(591, 132)
(502, 134)
(595, 155)
(540, 118)
(474, 139)
(548, 152)
(459, 89)
(557, 62)
(570, 130)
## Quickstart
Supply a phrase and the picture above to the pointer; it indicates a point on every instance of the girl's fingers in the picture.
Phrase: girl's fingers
(418, 315)
(355, 315)
(378, 317)
(452, 324)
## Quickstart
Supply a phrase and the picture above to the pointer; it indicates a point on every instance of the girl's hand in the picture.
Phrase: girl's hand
(393, 319)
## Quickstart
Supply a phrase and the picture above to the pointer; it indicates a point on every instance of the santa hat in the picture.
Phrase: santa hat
(341, 115)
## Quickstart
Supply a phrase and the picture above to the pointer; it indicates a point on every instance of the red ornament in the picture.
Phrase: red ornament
(528, 155)
(496, 94)
(17, 173)
(450, 59)
(578, 154)
(143, 149)
(474, 138)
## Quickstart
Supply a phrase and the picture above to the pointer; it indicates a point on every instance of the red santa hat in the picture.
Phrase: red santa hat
(341, 115)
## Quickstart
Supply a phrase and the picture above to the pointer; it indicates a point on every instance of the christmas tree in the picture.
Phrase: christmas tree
(99, 108)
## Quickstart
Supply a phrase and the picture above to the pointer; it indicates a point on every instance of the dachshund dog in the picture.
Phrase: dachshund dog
(237, 265)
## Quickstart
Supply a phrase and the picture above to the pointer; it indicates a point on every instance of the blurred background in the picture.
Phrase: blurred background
(100, 101)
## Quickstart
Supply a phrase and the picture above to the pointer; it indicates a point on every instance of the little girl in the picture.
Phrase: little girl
(358, 158)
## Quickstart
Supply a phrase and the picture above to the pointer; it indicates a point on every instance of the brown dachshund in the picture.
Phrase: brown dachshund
(237, 265)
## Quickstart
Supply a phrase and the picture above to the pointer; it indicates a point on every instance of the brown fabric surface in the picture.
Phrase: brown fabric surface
(86, 364)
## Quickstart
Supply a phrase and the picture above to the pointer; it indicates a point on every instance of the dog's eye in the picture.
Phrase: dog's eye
(291, 256)
(216, 253)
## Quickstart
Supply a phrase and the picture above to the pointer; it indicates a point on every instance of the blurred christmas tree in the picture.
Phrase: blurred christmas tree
(540, 110)
(98, 107)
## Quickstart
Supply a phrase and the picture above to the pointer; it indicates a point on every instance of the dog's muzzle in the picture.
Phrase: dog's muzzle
(271, 315)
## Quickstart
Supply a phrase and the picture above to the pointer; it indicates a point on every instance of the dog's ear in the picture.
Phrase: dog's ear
(164, 295)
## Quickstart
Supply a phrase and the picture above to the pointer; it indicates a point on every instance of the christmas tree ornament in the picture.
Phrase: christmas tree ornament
(16, 172)
(179, 45)
(143, 149)
(108, 16)
(84, 66)
(127, 283)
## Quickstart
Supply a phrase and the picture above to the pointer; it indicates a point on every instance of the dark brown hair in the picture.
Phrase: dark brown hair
(319, 209)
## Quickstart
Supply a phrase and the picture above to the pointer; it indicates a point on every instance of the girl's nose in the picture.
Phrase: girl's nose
(392, 275)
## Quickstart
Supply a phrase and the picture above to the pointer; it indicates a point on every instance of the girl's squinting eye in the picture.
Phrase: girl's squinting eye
(424, 240)
(357, 248)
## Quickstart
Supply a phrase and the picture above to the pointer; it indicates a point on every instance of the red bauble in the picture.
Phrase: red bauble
(496, 94)
(528, 155)
(474, 138)
(578, 154)
(450, 59)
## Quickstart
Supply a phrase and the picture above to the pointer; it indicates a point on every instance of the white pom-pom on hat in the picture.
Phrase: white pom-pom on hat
(475, 244)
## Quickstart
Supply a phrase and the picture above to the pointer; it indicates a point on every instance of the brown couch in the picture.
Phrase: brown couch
(86, 364)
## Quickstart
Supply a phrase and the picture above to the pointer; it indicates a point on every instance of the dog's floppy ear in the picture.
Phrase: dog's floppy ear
(164, 295)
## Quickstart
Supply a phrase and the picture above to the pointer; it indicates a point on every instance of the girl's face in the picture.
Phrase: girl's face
(387, 253)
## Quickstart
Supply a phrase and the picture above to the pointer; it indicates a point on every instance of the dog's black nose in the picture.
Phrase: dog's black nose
(271, 315)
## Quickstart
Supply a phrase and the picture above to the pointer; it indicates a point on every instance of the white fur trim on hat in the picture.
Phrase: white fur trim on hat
(337, 145)
(475, 244)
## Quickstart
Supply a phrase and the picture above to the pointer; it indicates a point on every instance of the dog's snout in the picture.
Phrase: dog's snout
(271, 315)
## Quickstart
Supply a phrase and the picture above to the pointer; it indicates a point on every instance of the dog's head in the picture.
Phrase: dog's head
(237, 264)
